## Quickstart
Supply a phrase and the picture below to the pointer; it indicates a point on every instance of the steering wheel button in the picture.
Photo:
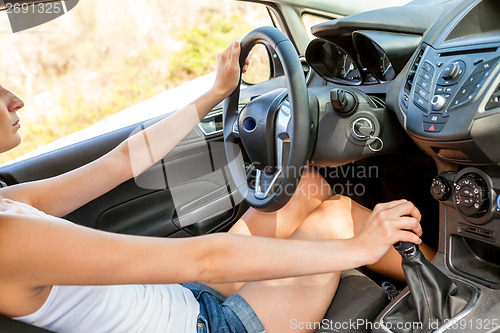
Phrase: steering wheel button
(498, 203)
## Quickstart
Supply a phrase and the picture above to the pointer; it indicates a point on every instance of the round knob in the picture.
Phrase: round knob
(440, 188)
(451, 71)
(438, 102)
(471, 195)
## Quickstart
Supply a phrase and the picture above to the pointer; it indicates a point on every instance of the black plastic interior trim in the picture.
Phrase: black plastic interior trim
(404, 19)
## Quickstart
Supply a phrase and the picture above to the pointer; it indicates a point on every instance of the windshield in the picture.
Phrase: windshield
(337, 9)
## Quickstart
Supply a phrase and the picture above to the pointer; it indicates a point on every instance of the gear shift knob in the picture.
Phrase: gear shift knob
(406, 249)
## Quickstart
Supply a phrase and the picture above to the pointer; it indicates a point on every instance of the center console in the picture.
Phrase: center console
(449, 103)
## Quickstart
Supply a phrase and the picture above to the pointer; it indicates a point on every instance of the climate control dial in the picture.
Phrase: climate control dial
(470, 194)
(440, 188)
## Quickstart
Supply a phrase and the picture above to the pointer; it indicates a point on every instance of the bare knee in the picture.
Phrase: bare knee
(333, 217)
(336, 205)
(313, 186)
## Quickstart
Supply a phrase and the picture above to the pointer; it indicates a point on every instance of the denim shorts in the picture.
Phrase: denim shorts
(219, 314)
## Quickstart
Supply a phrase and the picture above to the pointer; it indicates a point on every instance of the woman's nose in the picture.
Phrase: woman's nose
(15, 104)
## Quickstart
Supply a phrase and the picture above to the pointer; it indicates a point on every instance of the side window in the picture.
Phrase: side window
(104, 57)
(260, 69)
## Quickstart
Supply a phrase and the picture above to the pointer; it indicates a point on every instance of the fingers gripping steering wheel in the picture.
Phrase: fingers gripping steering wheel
(274, 129)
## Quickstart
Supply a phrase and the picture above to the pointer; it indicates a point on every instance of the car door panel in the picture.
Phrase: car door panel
(177, 192)
(187, 193)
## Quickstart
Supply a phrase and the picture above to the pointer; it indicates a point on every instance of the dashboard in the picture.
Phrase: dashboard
(436, 65)
(439, 65)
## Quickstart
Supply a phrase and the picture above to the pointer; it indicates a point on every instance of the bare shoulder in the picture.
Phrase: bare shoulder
(19, 296)
(16, 235)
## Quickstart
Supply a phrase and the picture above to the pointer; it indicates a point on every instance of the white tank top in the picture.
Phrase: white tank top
(122, 308)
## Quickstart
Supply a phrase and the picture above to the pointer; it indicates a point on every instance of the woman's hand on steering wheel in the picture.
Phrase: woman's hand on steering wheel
(228, 69)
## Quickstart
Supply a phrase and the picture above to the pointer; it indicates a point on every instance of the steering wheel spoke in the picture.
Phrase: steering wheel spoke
(282, 135)
(265, 184)
(236, 131)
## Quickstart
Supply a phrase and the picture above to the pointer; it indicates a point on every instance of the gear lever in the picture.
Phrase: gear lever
(406, 249)
(434, 298)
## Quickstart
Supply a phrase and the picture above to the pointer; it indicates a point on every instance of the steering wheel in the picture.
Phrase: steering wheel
(274, 129)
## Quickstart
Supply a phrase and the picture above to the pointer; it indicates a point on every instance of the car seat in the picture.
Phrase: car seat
(358, 300)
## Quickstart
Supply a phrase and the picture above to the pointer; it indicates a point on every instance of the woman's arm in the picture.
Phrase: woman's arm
(62, 194)
(37, 252)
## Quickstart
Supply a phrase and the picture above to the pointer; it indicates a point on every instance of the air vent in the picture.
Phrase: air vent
(377, 102)
(306, 68)
(411, 77)
(494, 101)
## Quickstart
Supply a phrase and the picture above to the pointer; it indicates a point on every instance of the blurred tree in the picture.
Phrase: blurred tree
(104, 56)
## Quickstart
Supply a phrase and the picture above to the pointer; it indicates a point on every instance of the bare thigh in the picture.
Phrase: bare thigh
(312, 190)
(282, 304)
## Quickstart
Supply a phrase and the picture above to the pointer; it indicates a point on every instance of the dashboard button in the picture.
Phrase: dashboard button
(457, 102)
(438, 102)
(433, 128)
(486, 66)
(471, 195)
(463, 99)
(429, 68)
(465, 90)
(421, 102)
(452, 73)
(435, 118)
(498, 202)
(439, 89)
(449, 90)
(422, 92)
(476, 78)
(440, 188)
(424, 83)
(426, 76)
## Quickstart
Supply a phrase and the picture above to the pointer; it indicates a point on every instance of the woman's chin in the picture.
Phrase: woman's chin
(6, 146)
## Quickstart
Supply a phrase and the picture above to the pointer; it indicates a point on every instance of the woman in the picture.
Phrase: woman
(69, 278)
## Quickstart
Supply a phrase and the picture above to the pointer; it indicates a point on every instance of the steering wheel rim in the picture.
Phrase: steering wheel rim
(298, 129)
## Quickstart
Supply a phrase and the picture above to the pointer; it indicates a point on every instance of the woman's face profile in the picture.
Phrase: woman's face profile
(9, 121)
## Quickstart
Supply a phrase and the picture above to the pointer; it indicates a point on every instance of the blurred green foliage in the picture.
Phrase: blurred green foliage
(118, 76)
(202, 44)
